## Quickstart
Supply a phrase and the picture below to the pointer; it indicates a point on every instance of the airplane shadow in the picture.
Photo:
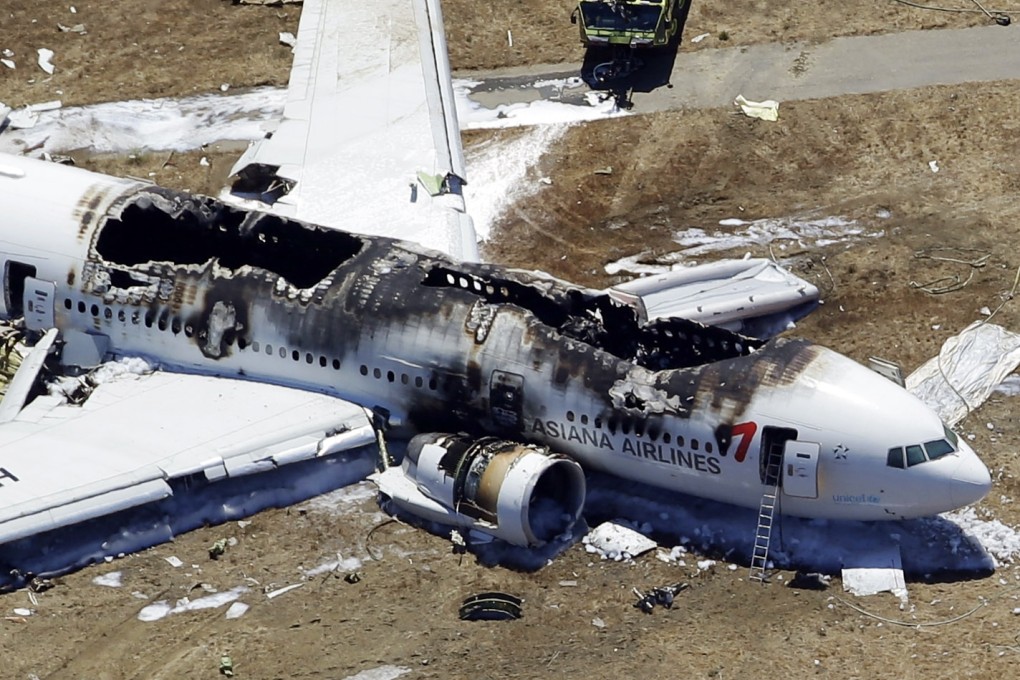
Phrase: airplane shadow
(931, 548)
(654, 70)
(192, 506)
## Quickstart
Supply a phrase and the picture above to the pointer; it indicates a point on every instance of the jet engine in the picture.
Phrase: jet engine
(520, 493)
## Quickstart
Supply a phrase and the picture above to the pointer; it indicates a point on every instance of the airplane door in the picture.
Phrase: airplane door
(800, 469)
(506, 400)
(38, 304)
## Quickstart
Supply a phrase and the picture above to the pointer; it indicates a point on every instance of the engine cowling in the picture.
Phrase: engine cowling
(521, 493)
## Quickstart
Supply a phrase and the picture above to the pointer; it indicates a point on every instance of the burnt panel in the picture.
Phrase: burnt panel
(159, 225)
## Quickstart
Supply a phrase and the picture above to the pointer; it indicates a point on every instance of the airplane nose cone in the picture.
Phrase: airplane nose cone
(970, 481)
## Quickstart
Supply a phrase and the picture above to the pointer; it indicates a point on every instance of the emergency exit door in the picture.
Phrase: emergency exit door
(800, 469)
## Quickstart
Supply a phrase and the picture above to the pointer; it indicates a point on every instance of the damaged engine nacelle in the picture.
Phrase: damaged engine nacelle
(520, 493)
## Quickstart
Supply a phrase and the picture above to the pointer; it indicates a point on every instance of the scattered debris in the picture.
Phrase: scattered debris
(114, 579)
(763, 110)
(598, 623)
(9, 63)
(77, 28)
(27, 116)
(236, 610)
(353, 577)
(569, 583)
(616, 542)
(224, 87)
(174, 561)
(608, 170)
(933, 165)
(969, 366)
(287, 38)
(280, 591)
(226, 666)
(881, 570)
(660, 595)
(218, 548)
(459, 544)
(698, 38)
(21, 611)
(810, 581)
(491, 607)
(45, 57)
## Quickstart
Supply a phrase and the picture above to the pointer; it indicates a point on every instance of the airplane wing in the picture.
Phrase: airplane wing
(369, 141)
(140, 437)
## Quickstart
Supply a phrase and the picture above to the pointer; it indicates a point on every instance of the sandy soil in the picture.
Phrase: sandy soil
(852, 157)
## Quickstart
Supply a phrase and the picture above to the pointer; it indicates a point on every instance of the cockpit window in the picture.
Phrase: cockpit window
(937, 448)
(896, 458)
(951, 436)
(915, 455)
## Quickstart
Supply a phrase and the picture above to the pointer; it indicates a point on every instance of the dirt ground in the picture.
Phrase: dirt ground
(857, 157)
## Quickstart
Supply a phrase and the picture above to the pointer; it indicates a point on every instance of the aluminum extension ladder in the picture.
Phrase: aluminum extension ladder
(766, 517)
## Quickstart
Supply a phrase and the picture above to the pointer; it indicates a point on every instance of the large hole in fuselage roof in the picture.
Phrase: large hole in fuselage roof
(159, 225)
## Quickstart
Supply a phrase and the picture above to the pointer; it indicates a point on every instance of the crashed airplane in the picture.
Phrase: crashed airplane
(432, 345)
(508, 383)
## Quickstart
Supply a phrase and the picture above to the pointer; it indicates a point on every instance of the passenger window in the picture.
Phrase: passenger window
(666, 437)
(937, 448)
(694, 444)
(895, 458)
(584, 419)
(570, 416)
(915, 455)
(708, 447)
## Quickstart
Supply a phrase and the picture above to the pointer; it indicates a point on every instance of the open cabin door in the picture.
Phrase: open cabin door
(800, 469)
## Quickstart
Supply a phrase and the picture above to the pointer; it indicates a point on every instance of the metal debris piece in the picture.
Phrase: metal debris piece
(226, 666)
(281, 591)
(809, 581)
(77, 28)
(353, 577)
(217, 549)
(661, 595)
(9, 63)
(45, 60)
(608, 170)
(491, 607)
(763, 110)
(287, 38)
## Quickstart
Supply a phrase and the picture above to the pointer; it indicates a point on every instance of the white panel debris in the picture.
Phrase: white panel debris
(880, 570)
(967, 369)
(616, 542)
(764, 110)
(45, 60)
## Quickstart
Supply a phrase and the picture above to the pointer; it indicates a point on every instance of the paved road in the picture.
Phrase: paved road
(796, 71)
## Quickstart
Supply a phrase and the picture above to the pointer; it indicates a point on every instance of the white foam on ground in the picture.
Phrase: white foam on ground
(380, 673)
(501, 172)
(999, 540)
(803, 231)
(474, 116)
(114, 579)
(157, 124)
(162, 609)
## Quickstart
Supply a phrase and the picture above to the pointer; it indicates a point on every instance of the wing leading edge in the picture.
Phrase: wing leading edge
(370, 140)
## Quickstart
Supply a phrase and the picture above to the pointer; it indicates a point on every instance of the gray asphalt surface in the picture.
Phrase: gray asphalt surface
(787, 72)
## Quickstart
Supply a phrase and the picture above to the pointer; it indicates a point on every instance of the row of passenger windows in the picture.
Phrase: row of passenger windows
(404, 378)
(164, 322)
(639, 431)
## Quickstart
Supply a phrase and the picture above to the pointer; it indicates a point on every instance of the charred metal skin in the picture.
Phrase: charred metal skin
(439, 345)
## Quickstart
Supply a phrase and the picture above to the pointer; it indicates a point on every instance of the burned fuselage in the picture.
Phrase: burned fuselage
(438, 345)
